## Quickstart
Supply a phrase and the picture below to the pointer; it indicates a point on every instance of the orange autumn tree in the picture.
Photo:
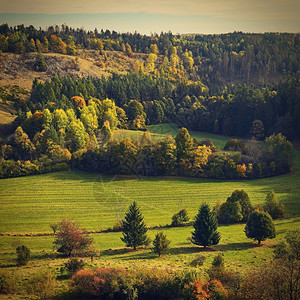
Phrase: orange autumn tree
(70, 238)
(78, 101)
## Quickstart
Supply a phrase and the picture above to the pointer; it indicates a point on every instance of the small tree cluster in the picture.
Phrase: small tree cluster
(237, 208)
(180, 218)
(273, 206)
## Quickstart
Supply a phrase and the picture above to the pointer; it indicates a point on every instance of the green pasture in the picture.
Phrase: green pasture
(162, 130)
(29, 204)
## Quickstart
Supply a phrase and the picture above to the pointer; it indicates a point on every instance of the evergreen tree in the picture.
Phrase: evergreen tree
(184, 144)
(205, 225)
(160, 244)
(40, 64)
(134, 228)
(260, 226)
(273, 206)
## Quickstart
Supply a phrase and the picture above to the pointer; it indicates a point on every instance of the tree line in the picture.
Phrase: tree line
(216, 59)
(231, 112)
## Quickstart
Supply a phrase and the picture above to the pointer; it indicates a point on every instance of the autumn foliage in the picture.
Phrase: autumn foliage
(78, 101)
(71, 238)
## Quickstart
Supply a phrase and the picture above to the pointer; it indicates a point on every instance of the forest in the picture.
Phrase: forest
(69, 121)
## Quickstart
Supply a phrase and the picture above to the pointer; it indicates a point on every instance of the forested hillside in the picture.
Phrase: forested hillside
(87, 84)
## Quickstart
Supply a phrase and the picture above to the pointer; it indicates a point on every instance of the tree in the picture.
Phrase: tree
(179, 218)
(160, 244)
(70, 238)
(23, 255)
(257, 129)
(134, 229)
(287, 254)
(40, 64)
(205, 226)
(184, 144)
(242, 197)
(273, 206)
(105, 133)
(237, 208)
(260, 226)
(281, 152)
(54, 227)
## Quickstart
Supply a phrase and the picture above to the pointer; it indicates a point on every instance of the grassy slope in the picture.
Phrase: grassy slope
(162, 130)
(30, 204)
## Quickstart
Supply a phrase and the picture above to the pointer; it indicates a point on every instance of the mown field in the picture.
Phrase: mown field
(30, 204)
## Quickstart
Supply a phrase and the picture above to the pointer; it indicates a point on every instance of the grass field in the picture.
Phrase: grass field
(29, 204)
(162, 130)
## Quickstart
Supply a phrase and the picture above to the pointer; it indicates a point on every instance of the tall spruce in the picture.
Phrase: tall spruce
(205, 225)
(134, 228)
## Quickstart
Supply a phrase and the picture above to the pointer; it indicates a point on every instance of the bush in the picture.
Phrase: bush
(234, 145)
(42, 285)
(73, 265)
(118, 226)
(23, 255)
(180, 218)
(109, 283)
(212, 289)
(273, 206)
(7, 284)
(198, 260)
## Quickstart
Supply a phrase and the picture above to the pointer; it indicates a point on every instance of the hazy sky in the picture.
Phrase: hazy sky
(189, 16)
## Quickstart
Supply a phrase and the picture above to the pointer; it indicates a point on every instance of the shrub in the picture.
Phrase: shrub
(23, 255)
(212, 289)
(42, 285)
(118, 226)
(273, 206)
(109, 283)
(180, 218)
(7, 284)
(234, 145)
(198, 261)
(73, 265)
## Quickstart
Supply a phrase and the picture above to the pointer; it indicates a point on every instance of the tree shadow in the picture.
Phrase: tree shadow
(190, 250)
(237, 246)
(120, 251)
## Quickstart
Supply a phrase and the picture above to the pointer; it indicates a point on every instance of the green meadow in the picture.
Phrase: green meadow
(30, 204)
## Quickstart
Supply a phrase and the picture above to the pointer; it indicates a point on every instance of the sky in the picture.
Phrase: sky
(146, 17)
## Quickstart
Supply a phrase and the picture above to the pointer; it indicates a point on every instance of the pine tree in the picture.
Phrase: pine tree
(134, 228)
(205, 225)
(160, 244)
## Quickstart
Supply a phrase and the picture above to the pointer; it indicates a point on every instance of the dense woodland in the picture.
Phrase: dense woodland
(243, 85)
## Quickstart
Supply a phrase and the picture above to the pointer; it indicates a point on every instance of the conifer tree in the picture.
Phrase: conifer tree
(134, 228)
(160, 244)
(205, 225)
